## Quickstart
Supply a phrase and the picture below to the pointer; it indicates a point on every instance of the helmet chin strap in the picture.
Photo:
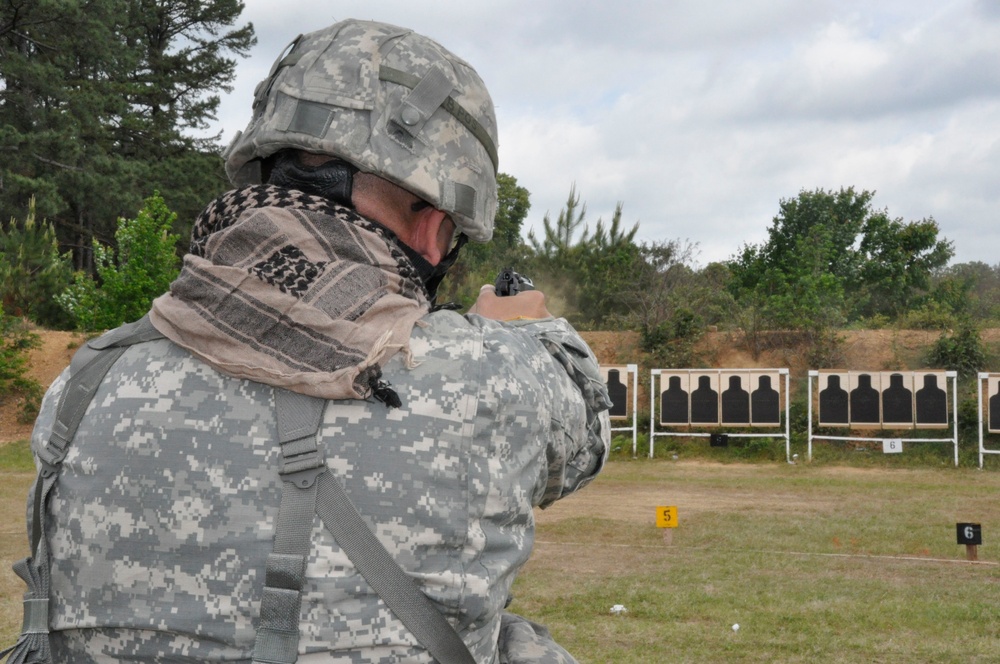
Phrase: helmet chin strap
(332, 180)
(433, 280)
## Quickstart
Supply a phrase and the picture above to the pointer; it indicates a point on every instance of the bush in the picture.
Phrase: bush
(968, 419)
(758, 449)
(825, 349)
(129, 282)
(961, 350)
(672, 343)
(15, 342)
(932, 315)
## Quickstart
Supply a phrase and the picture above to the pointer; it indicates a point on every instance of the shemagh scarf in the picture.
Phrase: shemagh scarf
(295, 291)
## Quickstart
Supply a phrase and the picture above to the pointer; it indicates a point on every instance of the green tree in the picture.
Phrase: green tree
(559, 240)
(98, 103)
(605, 269)
(971, 289)
(131, 278)
(666, 283)
(830, 258)
(33, 271)
(897, 261)
(587, 272)
(513, 204)
(670, 303)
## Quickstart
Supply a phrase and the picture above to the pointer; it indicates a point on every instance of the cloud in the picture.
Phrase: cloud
(700, 117)
(850, 74)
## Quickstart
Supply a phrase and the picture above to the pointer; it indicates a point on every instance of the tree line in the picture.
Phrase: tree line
(100, 101)
(102, 176)
(831, 260)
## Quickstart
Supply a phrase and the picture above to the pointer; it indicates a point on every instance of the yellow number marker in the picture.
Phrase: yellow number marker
(666, 517)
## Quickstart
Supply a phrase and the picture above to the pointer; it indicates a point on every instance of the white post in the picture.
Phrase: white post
(979, 414)
(954, 396)
(634, 368)
(812, 374)
(652, 409)
(788, 421)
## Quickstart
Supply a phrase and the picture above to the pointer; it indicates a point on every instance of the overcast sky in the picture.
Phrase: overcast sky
(701, 116)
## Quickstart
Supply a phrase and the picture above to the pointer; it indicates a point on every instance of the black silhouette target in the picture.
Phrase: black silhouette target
(765, 401)
(675, 404)
(865, 401)
(736, 399)
(705, 399)
(618, 392)
(931, 399)
(834, 409)
(897, 400)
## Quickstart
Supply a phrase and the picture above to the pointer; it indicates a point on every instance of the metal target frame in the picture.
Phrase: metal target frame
(632, 369)
(653, 393)
(980, 378)
(949, 375)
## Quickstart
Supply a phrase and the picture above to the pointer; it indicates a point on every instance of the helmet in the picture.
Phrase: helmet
(388, 101)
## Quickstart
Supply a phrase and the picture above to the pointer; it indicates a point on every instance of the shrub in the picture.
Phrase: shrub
(33, 272)
(825, 349)
(672, 343)
(931, 315)
(143, 268)
(15, 342)
(961, 350)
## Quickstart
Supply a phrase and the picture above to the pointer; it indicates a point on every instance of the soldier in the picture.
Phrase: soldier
(171, 525)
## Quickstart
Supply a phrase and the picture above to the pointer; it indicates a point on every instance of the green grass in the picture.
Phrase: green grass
(17, 471)
(816, 562)
(16, 457)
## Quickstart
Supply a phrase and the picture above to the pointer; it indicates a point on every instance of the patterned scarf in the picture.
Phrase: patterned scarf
(295, 291)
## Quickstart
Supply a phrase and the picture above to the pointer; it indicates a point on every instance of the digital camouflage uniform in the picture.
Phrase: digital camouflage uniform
(445, 430)
(165, 508)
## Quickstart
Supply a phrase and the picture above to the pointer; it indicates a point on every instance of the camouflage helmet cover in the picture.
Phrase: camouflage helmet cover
(390, 102)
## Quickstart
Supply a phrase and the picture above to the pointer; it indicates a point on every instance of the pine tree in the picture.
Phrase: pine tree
(99, 100)
(33, 271)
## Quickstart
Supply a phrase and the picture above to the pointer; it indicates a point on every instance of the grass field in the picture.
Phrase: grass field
(816, 563)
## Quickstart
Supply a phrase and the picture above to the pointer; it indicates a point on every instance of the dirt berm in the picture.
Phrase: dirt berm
(864, 349)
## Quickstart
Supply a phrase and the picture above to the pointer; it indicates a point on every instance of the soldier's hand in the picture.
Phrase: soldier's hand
(526, 305)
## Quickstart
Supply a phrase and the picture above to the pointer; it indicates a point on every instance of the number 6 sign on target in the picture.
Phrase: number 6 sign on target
(892, 446)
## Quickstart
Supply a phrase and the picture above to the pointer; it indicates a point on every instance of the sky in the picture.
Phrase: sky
(700, 117)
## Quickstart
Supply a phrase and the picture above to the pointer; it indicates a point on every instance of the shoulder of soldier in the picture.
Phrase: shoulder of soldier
(451, 326)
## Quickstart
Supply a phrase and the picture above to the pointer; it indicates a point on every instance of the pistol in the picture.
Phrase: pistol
(510, 283)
